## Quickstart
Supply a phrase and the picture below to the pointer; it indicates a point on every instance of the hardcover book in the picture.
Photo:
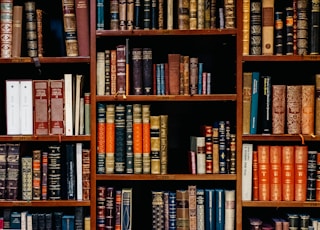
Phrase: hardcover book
(146, 139)
(317, 104)
(147, 70)
(246, 24)
(267, 27)
(101, 73)
(264, 172)
(174, 73)
(36, 174)
(26, 169)
(110, 138)
(294, 94)
(230, 209)
(137, 71)
(275, 173)
(254, 102)
(157, 209)
(137, 138)
(13, 107)
(182, 200)
(126, 208)
(41, 107)
(17, 30)
(255, 32)
(155, 144)
(26, 107)
(101, 139)
(266, 106)
(300, 171)
(183, 15)
(192, 192)
(82, 21)
(6, 13)
(288, 179)
(278, 109)
(200, 209)
(314, 27)
(121, 70)
(56, 95)
(247, 149)
(246, 102)
(220, 209)
(120, 137)
(164, 144)
(71, 171)
(307, 109)
(129, 139)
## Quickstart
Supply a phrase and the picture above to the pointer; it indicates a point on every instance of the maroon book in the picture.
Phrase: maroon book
(121, 70)
(41, 109)
(82, 18)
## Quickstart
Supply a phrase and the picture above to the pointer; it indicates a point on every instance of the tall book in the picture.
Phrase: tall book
(215, 147)
(230, 209)
(182, 199)
(118, 205)
(68, 102)
(78, 171)
(77, 108)
(137, 71)
(137, 138)
(307, 109)
(126, 208)
(255, 176)
(174, 73)
(302, 27)
(193, 75)
(41, 107)
(146, 139)
(129, 139)
(192, 199)
(70, 27)
(275, 173)
(294, 94)
(17, 30)
(36, 174)
(220, 209)
(86, 174)
(110, 207)
(71, 173)
(13, 171)
(300, 171)
(44, 177)
(209, 208)
(6, 28)
(200, 155)
(13, 107)
(254, 103)
(288, 179)
(130, 14)
(183, 15)
(56, 95)
(120, 137)
(255, 27)
(247, 149)
(101, 73)
(317, 104)
(147, 70)
(278, 109)
(122, 14)
(82, 19)
(267, 27)
(26, 107)
(110, 138)
(313, 175)
(39, 20)
(246, 27)
(121, 70)
(114, 15)
(164, 144)
(278, 32)
(264, 172)
(166, 209)
(246, 101)
(266, 106)
(201, 209)
(101, 139)
(207, 133)
(26, 176)
(155, 144)
(107, 68)
(157, 209)
(314, 27)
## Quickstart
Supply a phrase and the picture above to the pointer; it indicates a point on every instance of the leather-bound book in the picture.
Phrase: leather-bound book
(146, 14)
(82, 13)
(193, 75)
(246, 24)
(294, 109)
(289, 31)
(31, 28)
(278, 109)
(39, 13)
(130, 14)
(17, 30)
(278, 30)
(317, 104)
(174, 73)
(255, 28)
(300, 172)
(193, 21)
(137, 71)
(267, 27)
(288, 179)
(183, 15)
(114, 15)
(122, 14)
(302, 27)
(6, 13)
(41, 107)
(314, 27)
(146, 144)
(275, 173)
(307, 109)
(147, 70)
(264, 172)
(121, 70)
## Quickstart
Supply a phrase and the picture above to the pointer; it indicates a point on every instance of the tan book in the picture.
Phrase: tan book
(164, 144)
(6, 13)
(317, 107)
(307, 109)
(186, 85)
(200, 14)
(100, 73)
(192, 191)
(230, 14)
(17, 31)
(130, 14)
(41, 107)
(183, 14)
(267, 27)
(113, 72)
(193, 75)
(294, 109)
(246, 101)
(155, 144)
(193, 21)
(278, 109)
(146, 148)
(275, 173)
(170, 14)
(245, 27)
(122, 14)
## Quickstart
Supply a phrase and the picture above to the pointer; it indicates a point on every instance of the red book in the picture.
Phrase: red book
(300, 173)
(264, 172)
(113, 71)
(166, 78)
(137, 138)
(275, 173)
(207, 133)
(255, 176)
(288, 173)
(82, 16)
(41, 107)
(174, 73)
(121, 70)
(56, 96)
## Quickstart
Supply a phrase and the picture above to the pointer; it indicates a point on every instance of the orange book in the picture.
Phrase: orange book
(110, 138)
(264, 172)
(300, 173)
(275, 173)
(255, 176)
(307, 109)
(288, 173)
(137, 138)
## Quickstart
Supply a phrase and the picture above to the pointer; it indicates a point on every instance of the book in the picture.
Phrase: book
(44, 177)
(36, 174)
(254, 102)
(137, 71)
(121, 69)
(13, 171)
(288, 179)
(182, 209)
(110, 207)
(71, 171)
(78, 171)
(307, 109)
(300, 172)
(101, 139)
(86, 174)
(129, 139)
(266, 106)
(126, 208)
(155, 143)
(146, 139)
(255, 33)
(289, 30)
(70, 28)
(78, 88)
(193, 75)
(78, 218)
(107, 68)
(246, 102)
(200, 155)
(200, 209)
(26, 178)
(220, 209)
(166, 213)
(147, 70)
(183, 15)
(247, 149)
(17, 30)
(41, 107)
(275, 173)
(278, 109)
(118, 205)
(314, 28)
(68, 100)
(120, 137)
(100, 15)
(82, 21)
(209, 209)
(137, 138)
(230, 211)
(26, 107)
(317, 104)
(68, 221)
(302, 28)
(101, 73)
(110, 138)
(207, 133)
(56, 100)
(313, 178)
(222, 147)
(39, 21)
(13, 107)
(255, 176)
(294, 94)
(6, 28)
(267, 27)
(215, 147)
(192, 200)
(157, 209)
(174, 73)
(278, 33)
(246, 24)
(164, 144)
(264, 172)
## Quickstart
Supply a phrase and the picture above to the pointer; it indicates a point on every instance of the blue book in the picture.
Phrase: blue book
(100, 14)
(67, 222)
(158, 79)
(209, 209)
(162, 81)
(120, 135)
(220, 209)
(172, 211)
(254, 102)
(200, 70)
(126, 209)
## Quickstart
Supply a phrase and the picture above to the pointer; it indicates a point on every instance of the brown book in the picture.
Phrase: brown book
(317, 104)
(193, 21)
(166, 79)
(36, 174)
(137, 71)
(70, 28)
(164, 144)
(82, 17)
(264, 172)
(307, 109)
(86, 174)
(39, 17)
(122, 14)
(56, 98)
(255, 176)
(183, 15)
(182, 200)
(192, 192)
(288, 153)
(317, 176)
(160, 14)
(215, 148)
(278, 109)
(130, 14)
(41, 107)
(246, 102)
(193, 75)
(267, 27)
(113, 72)
(200, 14)
(300, 172)
(174, 76)
(121, 70)
(275, 173)
(17, 31)
(181, 69)
(186, 84)
(31, 28)
(294, 109)
(206, 131)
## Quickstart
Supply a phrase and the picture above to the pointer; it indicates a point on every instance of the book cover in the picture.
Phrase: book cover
(120, 139)
(101, 73)
(200, 209)
(220, 209)
(137, 71)
(100, 15)
(70, 169)
(192, 199)
(193, 75)
(313, 178)
(39, 21)
(86, 174)
(26, 176)
(41, 107)
(247, 149)
(275, 173)
(264, 172)
(278, 109)
(307, 109)
(146, 139)
(110, 137)
(44, 177)
(215, 147)
(137, 138)
(246, 102)
(200, 155)
(207, 133)
(210, 209)
(255, 176)
(246, 24)
(317, 104)
(78, 170)
(314, 27)
(289, 30)
(294, 95)
(26, 107)
(254, 102)
(300, 172)
(110, 207)
(155, 144)
(278, 32)
(266, 105)
(267, 27)
(288, 179)
(68, 221)
(78, 95)
(118, 206)
(166, 209)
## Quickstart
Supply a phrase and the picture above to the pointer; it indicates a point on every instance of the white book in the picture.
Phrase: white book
(13, 107)
(79, 170)
(26, 107)
(230, 204)
(24, 220)
(29, 221)
(100, 73)
(201, 155)
(77, 105)
(81, 125)
(247, 150)
(68, 113)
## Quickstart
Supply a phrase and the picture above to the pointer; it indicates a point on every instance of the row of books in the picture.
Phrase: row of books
(292, 29)
(39, 176)
(279, 109)
(179, 75)
(24, 220)
(131, 140)
(289, 221)
(43, 107)
(190, 14)
(280, 173)
(74, 26)
(193, 208)
(214, 151)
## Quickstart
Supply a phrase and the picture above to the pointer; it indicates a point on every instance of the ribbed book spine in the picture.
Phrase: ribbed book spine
(36, 174)
(3, 172)
(26, 163)
(31, 28)
(155, 144)
(130, 14)
(110, 138)
(222, 148)
(172, 210)
(107, 79)
(278, 30)
(110, 207)
(193, 75)
(137, 138)
(17, 30)
(157, 210)
(137, 71)
(183, 15)
(294, 94)
(120, 152)
(147, 70)
(54, 172)
(146, 146)
(39, 18)
(230, 14)
(114, 15)
(122, 14)
(302, 27)
(193, 21)
(146, 14)
(121, 70)
(44, 173)
(289, 31)
(255, 27)
(137, 14)
(6, 28)
(314, 27)
(101, 138)
(160, 14)
(129, 138)
(100, 14)
(278, 109)
(307, 109)
(312, 176)
(13, 163)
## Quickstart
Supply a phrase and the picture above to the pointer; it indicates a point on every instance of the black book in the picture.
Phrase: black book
(78, 218)
(265, 108)
(57, 220)
(35, 221)
(314, 27)
(48, 217)
(71, 174)
(41, 221)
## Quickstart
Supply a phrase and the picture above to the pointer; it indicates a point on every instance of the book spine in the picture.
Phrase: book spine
(230, 198)
(222, 148)
(137, 138)
(302, 27)
(264, 172)
(12, 107)
(26, 107)
(87, 117)
(313, 182)
(246, 24)
(317, 104)
(56, 101)
(246, 101)
(200, 14)
(137, 14)
(110, 137)
(39, 19)
(163, 144)
(193, 20)
(129, 138)
(130, 14)
(207, 18)
(174, 73)
(101, 138)
(207, 133)
(247, 149)
(278, 30)
(107, 68)
(160, 14)
(82, 19)
(200, 71)
(182, 209)
(278, 109)
(101, 207)
(255, 176)
(200, 224)
(215, 147)
(36, 174)
(110, 207)
(267, 27)
(230, 14)
(157, 209)
(289, 31)
(183, 15)
(172, 210)
(17, 30)
(137, 71)
(54, 172)
(26, 163)
(120, 151)
(6, 28)
(220, 209)
(307, 109)
(275, 173)
(266, 124)
(170, 14)
(200, 155)
(193, 75)
(294, 94)
(288, 173)
(254, 102)
(100, 14)
(70, 165)
(186, 85)
(113, 72)
(155, 144)
(118, 203)
(209, 209)
(86, 174)
(68, 103)
(122, 14)
(192, 192)
(146, 14)
(255, 27)
(126, 209)
(146, 139)
(121, 70)
(44, 177)
(147, 70)
(166, 209)
(101, 73)
(78, 171)
(314, 27)
(300, 173)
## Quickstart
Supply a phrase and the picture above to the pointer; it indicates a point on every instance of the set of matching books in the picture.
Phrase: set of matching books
(214, 151)
(40, 174)
(274, 28)
(114, 208)
(280, 173)
(279, 109)
(193, 208)
(24, 220)
(178, 75)
(47, 107)
(151, 14)
(131, 140)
